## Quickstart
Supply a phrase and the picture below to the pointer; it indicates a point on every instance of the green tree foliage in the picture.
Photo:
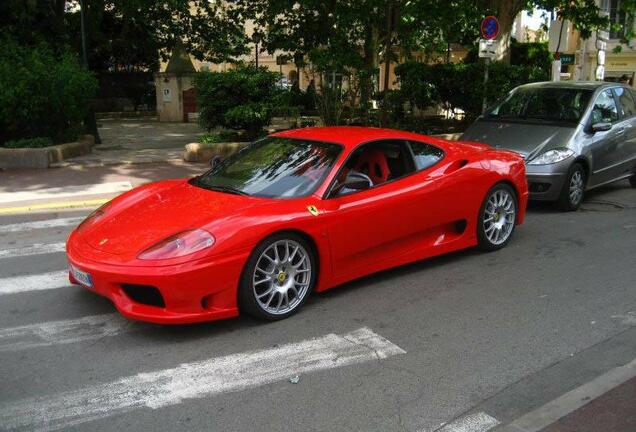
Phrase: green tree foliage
(239, 98)
(128, 35)
(42, 94)
(461, 85)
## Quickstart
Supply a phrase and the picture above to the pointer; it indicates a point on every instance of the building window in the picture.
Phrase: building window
(617, 16)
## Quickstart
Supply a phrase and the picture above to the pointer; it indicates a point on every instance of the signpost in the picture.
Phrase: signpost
(567, 59)
(488, 47)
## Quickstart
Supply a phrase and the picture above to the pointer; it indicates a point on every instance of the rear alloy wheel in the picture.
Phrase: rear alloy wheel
(278, 277)
(497, 217)
(573, 189)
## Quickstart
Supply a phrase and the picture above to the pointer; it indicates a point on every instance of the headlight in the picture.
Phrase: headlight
(551, 157)
(178, 245)
(94, 216)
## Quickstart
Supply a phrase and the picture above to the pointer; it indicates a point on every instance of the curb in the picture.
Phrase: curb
(54, 206)
(44, 157)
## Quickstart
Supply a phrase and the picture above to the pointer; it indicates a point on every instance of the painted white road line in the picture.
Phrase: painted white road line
(50, 223)
(62, 332)
(571, 401)
(38, 282)
(65, 192)
(476, 422)
(195, 380)
(35, 249)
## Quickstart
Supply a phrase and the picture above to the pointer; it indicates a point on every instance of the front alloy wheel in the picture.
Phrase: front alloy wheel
(278, 277)
(497, 218)
(573, 189)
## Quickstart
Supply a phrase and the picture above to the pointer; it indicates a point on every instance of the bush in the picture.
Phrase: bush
(42, 94)
(460, 86)
(240, 98)
(29, 143)
(222, 136)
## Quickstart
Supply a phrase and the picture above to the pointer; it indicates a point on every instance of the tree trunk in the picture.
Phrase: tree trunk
(506, 11)
(370, 66)
(387, 64)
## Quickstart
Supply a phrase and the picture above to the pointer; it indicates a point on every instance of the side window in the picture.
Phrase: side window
(626, 101)
(604, 110)
(380, 161)
(425, 155)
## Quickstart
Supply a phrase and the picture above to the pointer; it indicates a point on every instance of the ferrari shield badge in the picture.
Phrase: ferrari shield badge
(313, 210)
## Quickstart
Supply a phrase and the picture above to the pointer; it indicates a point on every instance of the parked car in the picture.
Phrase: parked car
(301, 210)
(574, 136)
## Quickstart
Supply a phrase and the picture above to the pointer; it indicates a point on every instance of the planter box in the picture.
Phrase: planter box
(198, 152)
(45, 156)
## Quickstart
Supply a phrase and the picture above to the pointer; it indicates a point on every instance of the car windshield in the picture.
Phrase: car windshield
(274, 167)
(549, 104)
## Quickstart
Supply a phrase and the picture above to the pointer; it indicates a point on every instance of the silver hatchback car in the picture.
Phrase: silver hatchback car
(574, 136)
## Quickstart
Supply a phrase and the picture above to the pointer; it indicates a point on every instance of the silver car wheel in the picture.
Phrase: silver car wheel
(281, 277)
(576, 188)
(499, 216)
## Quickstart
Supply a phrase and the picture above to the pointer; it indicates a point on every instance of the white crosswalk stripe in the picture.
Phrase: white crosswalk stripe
(35, 249)
(43, 224)
(38, 282)
(63, 332)
(195, 380)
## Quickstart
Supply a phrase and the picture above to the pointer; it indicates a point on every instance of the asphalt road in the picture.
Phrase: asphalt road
(502, 332)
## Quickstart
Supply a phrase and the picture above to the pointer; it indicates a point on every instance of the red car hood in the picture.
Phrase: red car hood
(146, 217)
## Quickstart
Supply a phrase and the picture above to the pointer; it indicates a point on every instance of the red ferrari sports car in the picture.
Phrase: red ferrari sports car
(297, 211)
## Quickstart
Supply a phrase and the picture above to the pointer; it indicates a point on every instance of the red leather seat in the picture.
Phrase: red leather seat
(374, 164)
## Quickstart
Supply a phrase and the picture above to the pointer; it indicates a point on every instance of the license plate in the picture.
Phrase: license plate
(81, 277)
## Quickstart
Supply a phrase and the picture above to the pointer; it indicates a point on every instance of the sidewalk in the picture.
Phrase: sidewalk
(137, 141)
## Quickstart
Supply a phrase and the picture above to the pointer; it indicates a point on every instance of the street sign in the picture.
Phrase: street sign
(488, 48)
(600, 58)
(603, 35)
(567, 59)
(490, 28)
(600, 73)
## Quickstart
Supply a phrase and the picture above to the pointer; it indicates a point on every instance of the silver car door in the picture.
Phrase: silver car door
(627, 147)
(606, 157)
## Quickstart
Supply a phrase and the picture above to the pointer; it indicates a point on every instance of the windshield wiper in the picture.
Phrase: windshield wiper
(196, 181)
(226, 189)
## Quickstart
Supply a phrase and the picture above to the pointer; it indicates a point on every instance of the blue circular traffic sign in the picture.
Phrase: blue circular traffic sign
(490, 27)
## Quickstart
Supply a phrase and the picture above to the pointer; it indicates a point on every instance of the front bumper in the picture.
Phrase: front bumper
(546, 181)
(192, 292)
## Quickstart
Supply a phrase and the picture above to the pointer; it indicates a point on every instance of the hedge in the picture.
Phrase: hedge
(42, 94)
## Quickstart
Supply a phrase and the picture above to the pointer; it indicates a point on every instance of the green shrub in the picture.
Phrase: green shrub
(42, 94)
(240, 98)
(29, 143)
(251, 117)
(461, 85)
(223, 136)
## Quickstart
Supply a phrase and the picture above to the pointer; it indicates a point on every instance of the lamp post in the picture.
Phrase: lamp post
(83, 32)
(90, 121)
(256, 38)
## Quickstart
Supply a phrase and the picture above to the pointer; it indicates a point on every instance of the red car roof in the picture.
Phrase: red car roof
(351, 136)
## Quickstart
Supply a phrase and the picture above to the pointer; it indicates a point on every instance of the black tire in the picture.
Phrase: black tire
(568, 200)
(247, 293)
(632, 181)
(484, 241)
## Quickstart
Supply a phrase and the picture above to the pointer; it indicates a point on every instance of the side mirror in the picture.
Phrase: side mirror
(601, 127)
(215, 161)
(356, 181)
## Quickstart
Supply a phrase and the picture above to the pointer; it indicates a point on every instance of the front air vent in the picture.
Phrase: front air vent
(144, 294)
